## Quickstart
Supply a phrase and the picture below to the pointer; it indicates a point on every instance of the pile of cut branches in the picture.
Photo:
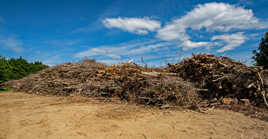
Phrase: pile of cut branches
(128, 82)
(224, 79)
(202, 78)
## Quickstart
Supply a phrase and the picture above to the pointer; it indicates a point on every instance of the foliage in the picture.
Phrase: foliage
(12, 69)
(261, 55)
(5, 90)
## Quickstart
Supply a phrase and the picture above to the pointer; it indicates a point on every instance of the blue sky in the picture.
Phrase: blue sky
(157, 31)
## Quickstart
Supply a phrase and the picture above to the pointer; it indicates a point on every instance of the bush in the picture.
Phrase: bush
(12, 69)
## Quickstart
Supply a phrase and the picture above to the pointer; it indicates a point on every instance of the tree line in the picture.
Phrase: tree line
(16, 68)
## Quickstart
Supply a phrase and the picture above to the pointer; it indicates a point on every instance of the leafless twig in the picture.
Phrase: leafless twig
(263, 91)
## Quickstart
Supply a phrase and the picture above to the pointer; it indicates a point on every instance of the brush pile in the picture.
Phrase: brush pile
(59, 80)
(224, 79)
(201, 79)
(128, 82)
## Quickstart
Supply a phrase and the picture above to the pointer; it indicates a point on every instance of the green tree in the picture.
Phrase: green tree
(12, 69)
(261, 55)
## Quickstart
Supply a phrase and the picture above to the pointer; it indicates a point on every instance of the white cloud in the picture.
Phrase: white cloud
(134, 25)
(212, 17)
(190, 44)
(220, 17)
(11, 43)
(231, 40)
(173, 31)
(147, 48)
(109, 51)
(90, 52)
(53, 60)
(126, 51)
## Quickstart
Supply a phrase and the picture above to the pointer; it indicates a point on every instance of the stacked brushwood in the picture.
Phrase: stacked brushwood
(202, 80)
(132, 83)
(223, 79)
(128, 82)
(59, 80)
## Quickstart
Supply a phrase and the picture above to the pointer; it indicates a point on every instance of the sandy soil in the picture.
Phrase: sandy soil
(24, 116)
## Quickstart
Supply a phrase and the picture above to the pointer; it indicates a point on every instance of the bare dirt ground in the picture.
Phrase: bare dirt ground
(24, 116)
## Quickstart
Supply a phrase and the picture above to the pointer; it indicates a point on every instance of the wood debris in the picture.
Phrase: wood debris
(203, 80)
(224, 78)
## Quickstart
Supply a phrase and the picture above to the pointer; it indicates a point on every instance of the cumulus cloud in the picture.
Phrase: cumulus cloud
(227, 21)
(231, 40)
(133, 25)
(11, 43)
(190, 44)
(212, 17)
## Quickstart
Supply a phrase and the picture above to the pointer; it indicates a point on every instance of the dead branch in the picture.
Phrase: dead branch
(263, 92)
